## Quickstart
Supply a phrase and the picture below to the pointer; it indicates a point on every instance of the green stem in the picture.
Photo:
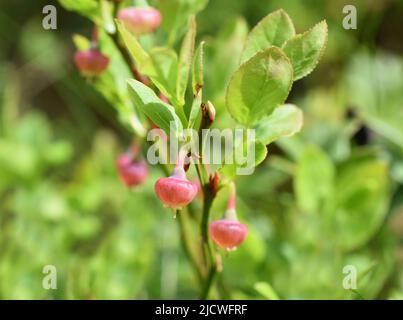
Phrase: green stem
(208, 201)
(186, 244)
(209, 283)
(181, 114)
(200, 175)
(212, 264)
(208, 254)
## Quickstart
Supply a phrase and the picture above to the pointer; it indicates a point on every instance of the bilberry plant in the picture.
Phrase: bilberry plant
(165, 89)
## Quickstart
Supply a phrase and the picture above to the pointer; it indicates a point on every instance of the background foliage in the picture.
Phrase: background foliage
(328, 197)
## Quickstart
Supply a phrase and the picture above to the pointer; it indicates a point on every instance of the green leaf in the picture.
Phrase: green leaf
(259, 86)
(162, 114)
(242, 164)
(185, 61)
(362, 195)
(133, 46)
(266, 290)
(260, 152)
(195, 110)
(273, 30)
(87, 8)
(285, 121)
(197, 69)
(314, 180)
(176, 14)
(81, 42)
(223, 55)
(380, 100)
(107, 16)
(162, 67)
(305, 50)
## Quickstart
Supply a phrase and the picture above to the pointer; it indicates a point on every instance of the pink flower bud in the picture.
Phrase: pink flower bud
(91, 62)
(176, 191)
(208, 114)
(132, 173)
(214, 182)
(228, 233)
(140, 20)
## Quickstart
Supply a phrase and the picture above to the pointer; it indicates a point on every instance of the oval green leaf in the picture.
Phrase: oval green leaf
(185, 61)
(285, 121)
(306, 49)
(363, 194)
(273, 30)
(132, 44)
(242, 161)
(162, 68)
(197, 69)
(162, 114)
(314, 181)
(259, 86)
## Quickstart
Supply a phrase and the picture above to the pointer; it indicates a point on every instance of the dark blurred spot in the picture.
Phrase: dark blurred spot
(362, 136)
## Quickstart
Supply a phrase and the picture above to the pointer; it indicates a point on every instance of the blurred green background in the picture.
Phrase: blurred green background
(330, 197)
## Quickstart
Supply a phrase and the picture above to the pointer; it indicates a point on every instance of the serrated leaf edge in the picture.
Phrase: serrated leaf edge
(253, 30)
(243, 64)
(322, 51)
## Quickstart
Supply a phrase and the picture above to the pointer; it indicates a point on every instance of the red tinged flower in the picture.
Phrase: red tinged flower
(228, 233)
(176, 191)
(214, 182)
(132, 173)
(140, 20)
(91, 62)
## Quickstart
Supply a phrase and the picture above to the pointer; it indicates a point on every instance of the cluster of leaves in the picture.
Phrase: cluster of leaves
(344, 220)
(273, 57)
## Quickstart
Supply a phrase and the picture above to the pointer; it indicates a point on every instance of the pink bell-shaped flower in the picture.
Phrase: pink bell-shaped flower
(131, 172)
(176, 191)
(91, 62)
(228, 233)
(140, 20)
